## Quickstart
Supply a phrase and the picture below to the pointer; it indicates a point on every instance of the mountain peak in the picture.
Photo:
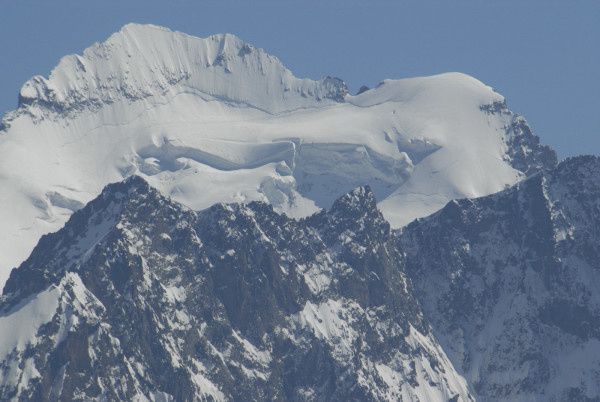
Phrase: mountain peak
(117, 203)
(142, 32)
(218, 120)
(148, 61)
(129, 185)
(136, 29)
(220, 298)
(354, 214)
(359, 199)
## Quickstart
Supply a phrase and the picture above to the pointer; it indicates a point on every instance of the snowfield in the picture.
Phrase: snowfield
(218, 120)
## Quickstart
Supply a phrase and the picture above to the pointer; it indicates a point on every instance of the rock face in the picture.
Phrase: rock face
(210, 120)
(509, 283)
(140, 298)
(489, 299)
(524, 151)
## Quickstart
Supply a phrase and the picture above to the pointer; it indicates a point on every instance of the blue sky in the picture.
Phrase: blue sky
(544, 56)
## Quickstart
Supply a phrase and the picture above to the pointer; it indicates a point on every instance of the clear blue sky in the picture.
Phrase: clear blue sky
(544, 56)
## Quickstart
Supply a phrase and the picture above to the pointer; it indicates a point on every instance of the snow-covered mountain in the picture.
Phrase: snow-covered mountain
(218, 120)
(510, 284)
(139, 298)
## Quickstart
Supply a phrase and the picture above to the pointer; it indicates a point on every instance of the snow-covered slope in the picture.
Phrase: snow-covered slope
(218, 120)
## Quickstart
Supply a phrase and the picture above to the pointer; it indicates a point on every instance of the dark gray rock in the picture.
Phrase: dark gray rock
(525, 153)
(509, 283)
(362, 89)
(154, 301)
(138, 297)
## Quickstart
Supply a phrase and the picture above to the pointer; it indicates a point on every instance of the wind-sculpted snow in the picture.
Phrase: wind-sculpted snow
(219, 155)
(134, 64)
(218, 120)
(140, 298)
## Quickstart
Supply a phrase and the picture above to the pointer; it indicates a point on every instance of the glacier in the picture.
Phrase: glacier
(219, 120)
